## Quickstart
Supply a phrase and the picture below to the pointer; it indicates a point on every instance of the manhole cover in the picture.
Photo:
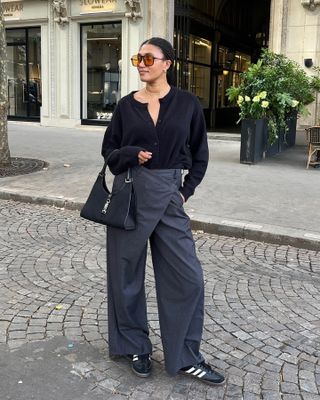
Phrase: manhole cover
(22, 166)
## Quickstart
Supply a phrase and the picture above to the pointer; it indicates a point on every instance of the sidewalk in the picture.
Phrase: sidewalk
(273, 201)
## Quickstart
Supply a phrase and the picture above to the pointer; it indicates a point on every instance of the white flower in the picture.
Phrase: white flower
(240, 99)
(256, 99)
(264, 104)
(294, 103)
(262, 95)
(247, 98)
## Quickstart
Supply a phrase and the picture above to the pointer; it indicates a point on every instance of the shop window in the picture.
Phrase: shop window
(101, 71)
(24, 72)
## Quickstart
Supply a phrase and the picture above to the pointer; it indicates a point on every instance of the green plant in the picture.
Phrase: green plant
(275, 88)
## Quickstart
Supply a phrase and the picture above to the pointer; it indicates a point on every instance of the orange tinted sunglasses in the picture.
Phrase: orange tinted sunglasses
(148, 59)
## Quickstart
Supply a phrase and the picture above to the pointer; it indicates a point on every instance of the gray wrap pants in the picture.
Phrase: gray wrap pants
(162, 220)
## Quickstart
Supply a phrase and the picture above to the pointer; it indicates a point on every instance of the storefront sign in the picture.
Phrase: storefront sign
(12, 9)
(93, 6)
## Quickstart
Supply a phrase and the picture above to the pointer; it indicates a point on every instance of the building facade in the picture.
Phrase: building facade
(69, 60)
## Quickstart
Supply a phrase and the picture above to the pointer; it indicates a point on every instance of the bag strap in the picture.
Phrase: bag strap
(102, 173)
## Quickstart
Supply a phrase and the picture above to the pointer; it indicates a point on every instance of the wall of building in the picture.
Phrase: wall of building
(295, 32)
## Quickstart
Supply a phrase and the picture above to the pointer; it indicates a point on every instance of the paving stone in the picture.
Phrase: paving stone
(309, 396)
(304, 374)
(268, 384)
(308, 386)
(289, 388)
(17, 335)
(269, 395)
(250, 396)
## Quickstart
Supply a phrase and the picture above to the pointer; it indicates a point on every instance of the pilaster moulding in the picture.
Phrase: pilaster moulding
(51, 59)
(60, 11)
(311, 4)
(278, 26)
(133, 9)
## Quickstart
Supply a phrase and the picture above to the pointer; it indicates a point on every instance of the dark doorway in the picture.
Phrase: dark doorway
(215, 40)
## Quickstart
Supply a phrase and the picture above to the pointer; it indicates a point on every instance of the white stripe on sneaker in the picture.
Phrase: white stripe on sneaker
(202, 374)
(135, 358)
(198, 371)
(190, 370)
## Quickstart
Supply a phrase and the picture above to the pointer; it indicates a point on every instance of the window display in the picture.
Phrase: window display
(101, 70)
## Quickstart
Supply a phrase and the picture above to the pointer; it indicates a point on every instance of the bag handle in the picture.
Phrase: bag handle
(102, 173)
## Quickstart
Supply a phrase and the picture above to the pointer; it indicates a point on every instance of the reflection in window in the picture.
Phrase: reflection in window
(199, 66)
(199, 83)
(15, 36)
(34, 64)
(199, 50)
(232, 63)
(101, 77)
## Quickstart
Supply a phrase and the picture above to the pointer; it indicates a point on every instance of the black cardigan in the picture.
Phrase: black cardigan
(179, 140)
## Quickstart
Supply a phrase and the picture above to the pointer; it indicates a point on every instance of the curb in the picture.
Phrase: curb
(263, 233)
(44, 200)
(239, 229)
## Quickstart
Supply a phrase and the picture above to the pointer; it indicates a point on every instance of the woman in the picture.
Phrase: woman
(158, 131)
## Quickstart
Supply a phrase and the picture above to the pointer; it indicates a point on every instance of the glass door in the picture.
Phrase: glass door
(101, 71)
(24, 72)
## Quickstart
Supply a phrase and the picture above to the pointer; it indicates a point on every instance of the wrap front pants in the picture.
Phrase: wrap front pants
(162, 221)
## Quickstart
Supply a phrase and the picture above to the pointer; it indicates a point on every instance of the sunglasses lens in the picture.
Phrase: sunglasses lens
(148, 60)
(135, 60)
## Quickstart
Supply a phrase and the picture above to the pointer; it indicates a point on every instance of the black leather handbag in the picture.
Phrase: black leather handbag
(117, 208)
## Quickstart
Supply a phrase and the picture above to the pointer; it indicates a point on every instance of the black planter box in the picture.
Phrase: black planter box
(273, 149)
(253, 139)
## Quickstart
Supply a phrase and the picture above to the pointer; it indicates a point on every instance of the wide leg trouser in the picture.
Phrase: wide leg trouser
(178, 274)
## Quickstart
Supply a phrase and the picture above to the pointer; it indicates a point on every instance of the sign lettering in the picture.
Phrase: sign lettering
(12, 10)
(97, 5)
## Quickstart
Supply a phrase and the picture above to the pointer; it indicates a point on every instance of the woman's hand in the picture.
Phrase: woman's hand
(144, 156)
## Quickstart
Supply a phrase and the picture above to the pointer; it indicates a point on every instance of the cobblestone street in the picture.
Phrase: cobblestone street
(262, 316)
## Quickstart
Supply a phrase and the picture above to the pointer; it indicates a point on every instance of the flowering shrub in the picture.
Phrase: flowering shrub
(256, 106)
(275, 88)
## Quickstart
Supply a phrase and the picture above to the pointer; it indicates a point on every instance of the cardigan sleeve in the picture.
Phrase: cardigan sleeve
(198, 146)
(127, 156)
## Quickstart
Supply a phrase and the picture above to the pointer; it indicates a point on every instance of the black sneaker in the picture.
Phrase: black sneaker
(141, 365)
(203, 372)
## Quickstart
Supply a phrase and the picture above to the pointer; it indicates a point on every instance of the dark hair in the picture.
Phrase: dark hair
(168, 51)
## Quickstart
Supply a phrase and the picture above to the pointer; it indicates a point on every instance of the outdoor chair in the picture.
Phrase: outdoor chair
(313, 138)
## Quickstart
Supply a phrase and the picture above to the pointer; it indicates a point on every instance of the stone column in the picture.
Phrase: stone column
(160, 19)
(57, 64)
(278, 19)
